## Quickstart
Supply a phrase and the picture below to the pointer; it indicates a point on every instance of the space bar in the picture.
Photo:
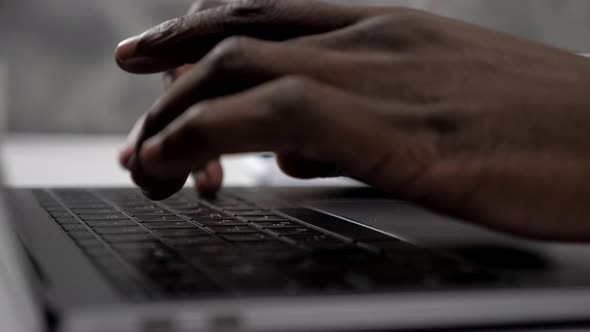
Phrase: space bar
(335, 225)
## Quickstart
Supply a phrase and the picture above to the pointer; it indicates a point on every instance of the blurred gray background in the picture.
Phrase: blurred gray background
(62, 77)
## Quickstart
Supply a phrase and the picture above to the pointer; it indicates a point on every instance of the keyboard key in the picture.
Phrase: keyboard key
(253, 213)
(156, 218)
(111, 223)
(60, 214)
(120, 230)
(57, 208)
(233, 229)
(150, 212)
(94, 211)
(335, 225)
(263, 219)
(170, 225)
(175, 233)
(206, 216)
(63, 221)
(138, 206)
(73, 227)
(276, 224)
(247, 237)
(221, 222)
(196, 210)
(182, 204)
(246, 209)
(236, 207)
(195, 241)
(117, 216)
(294, 231)
(122, 238)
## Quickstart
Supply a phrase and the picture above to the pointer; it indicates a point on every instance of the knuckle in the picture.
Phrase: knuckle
(229, 53)
(401, 17)
(292, 97)
(289, 109)
(178, 135)
(166, 30)
(406, 26)
(251, 8)
(200, 5)
(169, 147)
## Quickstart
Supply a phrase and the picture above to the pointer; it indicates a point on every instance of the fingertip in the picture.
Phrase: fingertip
(209, 181)
(129, 58)
(201, 180)
(215, 173)
(126, 50)
(203, 183)
(150, 153)
(125, 156)
(162, 192)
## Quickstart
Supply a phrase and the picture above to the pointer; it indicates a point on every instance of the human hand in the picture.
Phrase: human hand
(210, 179)
(474, 122)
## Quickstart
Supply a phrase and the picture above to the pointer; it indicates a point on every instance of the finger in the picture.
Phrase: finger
(209, 180)
(129, 147)
(302, 168)
(290, 116)
(287, 116)
(127, 158)
(154, 189)
(251, 121)
(201, 5)
(187, 39)
(172, 75)
(248, 62)
(395, 29)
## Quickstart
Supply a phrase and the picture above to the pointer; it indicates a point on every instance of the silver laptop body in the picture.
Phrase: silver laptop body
(52, 285)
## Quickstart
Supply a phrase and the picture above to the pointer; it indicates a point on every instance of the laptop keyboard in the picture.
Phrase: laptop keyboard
(187, 247)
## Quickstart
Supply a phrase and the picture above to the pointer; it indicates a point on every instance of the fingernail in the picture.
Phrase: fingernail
(127, 48)
(124, 155)
(202, 178)
(131, 162)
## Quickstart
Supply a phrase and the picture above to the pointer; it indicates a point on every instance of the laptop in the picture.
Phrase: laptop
(270, 259)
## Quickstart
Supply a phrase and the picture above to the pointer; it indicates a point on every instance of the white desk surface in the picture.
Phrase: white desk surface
(86, 160)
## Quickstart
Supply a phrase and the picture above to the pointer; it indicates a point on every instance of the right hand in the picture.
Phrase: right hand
(476, 123)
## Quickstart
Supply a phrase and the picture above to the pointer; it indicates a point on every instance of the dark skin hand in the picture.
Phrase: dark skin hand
(476, 123)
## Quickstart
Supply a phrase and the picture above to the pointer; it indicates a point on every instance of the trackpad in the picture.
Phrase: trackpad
(410, 222)
(421, 226)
